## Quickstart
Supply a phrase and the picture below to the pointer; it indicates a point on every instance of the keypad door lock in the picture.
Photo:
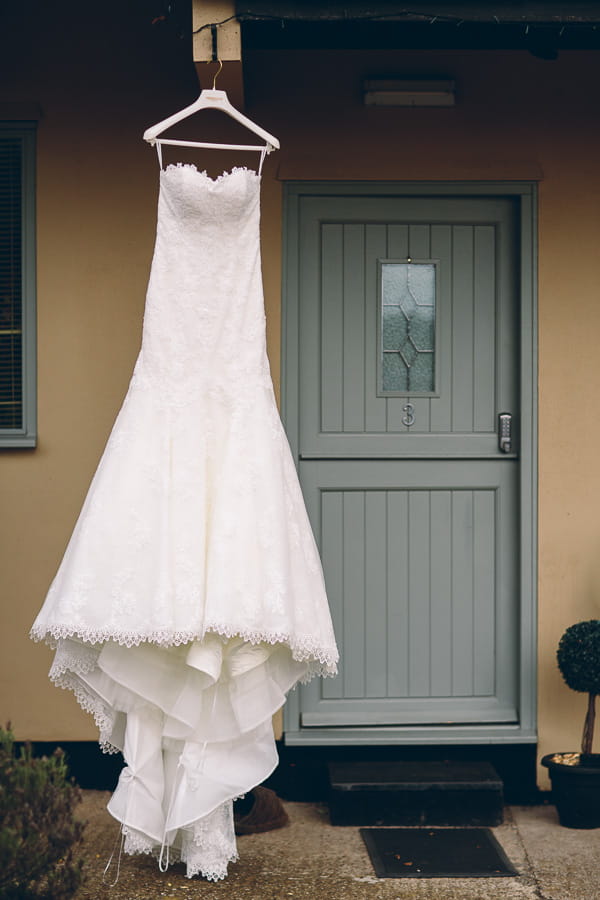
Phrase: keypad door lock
(505, 432)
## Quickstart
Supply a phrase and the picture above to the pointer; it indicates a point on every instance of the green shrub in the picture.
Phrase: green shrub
(39, 835)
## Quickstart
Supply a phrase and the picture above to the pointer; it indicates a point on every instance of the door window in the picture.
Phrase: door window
(407, 327)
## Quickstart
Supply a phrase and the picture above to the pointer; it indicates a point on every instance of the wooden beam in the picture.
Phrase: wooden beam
(221, 14)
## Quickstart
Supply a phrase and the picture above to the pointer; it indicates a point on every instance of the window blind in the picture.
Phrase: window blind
(11, 283)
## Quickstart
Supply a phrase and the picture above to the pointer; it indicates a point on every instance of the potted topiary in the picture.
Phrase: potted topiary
(575, 777)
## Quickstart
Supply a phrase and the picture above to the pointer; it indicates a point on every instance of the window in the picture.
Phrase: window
(17, 285)
(407, 327)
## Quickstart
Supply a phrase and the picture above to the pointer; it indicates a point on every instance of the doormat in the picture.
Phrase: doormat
(436, 853)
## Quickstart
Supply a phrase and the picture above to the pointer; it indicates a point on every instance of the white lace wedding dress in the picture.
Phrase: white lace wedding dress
(191, 595)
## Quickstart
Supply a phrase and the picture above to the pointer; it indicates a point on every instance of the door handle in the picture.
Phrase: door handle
(504, 432)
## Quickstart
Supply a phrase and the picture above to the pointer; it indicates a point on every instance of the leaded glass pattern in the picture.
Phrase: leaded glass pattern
(407, 327)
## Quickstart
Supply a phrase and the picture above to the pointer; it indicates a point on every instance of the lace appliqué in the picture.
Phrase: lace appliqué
(207, 847)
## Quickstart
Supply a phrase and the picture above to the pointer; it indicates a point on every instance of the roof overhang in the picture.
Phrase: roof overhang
(526, 11)
(422, 24)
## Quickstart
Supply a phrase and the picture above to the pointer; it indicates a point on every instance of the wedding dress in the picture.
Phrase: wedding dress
(191, 598)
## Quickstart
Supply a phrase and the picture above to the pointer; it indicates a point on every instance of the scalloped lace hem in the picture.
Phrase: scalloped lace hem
(321, 661)
(207, 846)
(214, 870)
(102, 715)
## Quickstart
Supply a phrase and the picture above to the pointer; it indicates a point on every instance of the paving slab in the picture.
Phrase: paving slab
(312, 860)
(566, 861)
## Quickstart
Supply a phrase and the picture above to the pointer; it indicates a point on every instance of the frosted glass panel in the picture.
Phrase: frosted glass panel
(408, 327)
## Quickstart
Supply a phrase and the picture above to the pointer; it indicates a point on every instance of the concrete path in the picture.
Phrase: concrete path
(311, 860)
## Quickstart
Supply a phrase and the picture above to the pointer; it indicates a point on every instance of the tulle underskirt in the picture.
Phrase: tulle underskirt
(194, 725)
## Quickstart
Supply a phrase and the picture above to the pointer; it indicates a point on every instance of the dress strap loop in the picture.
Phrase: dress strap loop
(263, 153)
(120, 839)
(159, 154)
(163, 859)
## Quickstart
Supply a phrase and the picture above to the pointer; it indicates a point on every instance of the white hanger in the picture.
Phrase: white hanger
(211, 99)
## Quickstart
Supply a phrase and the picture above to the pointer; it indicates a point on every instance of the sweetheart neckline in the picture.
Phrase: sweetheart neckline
(190, 167)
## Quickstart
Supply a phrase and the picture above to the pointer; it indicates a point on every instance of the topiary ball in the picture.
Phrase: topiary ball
(578, 656)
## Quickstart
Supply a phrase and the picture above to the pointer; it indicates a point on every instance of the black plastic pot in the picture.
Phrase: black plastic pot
(575, 788)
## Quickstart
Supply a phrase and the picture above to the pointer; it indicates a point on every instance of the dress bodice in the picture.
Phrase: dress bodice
(195, 206)
(204, 314)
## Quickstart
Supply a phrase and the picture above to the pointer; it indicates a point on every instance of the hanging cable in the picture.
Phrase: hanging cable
(410, 15)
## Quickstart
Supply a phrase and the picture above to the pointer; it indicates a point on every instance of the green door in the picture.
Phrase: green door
(404, 325)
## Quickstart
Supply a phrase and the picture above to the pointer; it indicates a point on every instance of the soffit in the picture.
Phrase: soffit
(422, 24)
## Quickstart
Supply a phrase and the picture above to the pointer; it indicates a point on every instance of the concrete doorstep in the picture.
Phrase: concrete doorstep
(312, 860)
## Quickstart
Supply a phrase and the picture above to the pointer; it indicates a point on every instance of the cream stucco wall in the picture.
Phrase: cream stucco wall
(100, 80)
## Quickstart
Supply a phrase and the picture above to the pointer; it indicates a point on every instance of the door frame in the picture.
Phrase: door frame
(526, 195)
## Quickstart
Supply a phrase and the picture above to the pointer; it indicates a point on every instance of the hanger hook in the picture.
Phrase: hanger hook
(217, 73)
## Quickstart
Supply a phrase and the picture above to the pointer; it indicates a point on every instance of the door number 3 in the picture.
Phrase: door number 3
(408, 418)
